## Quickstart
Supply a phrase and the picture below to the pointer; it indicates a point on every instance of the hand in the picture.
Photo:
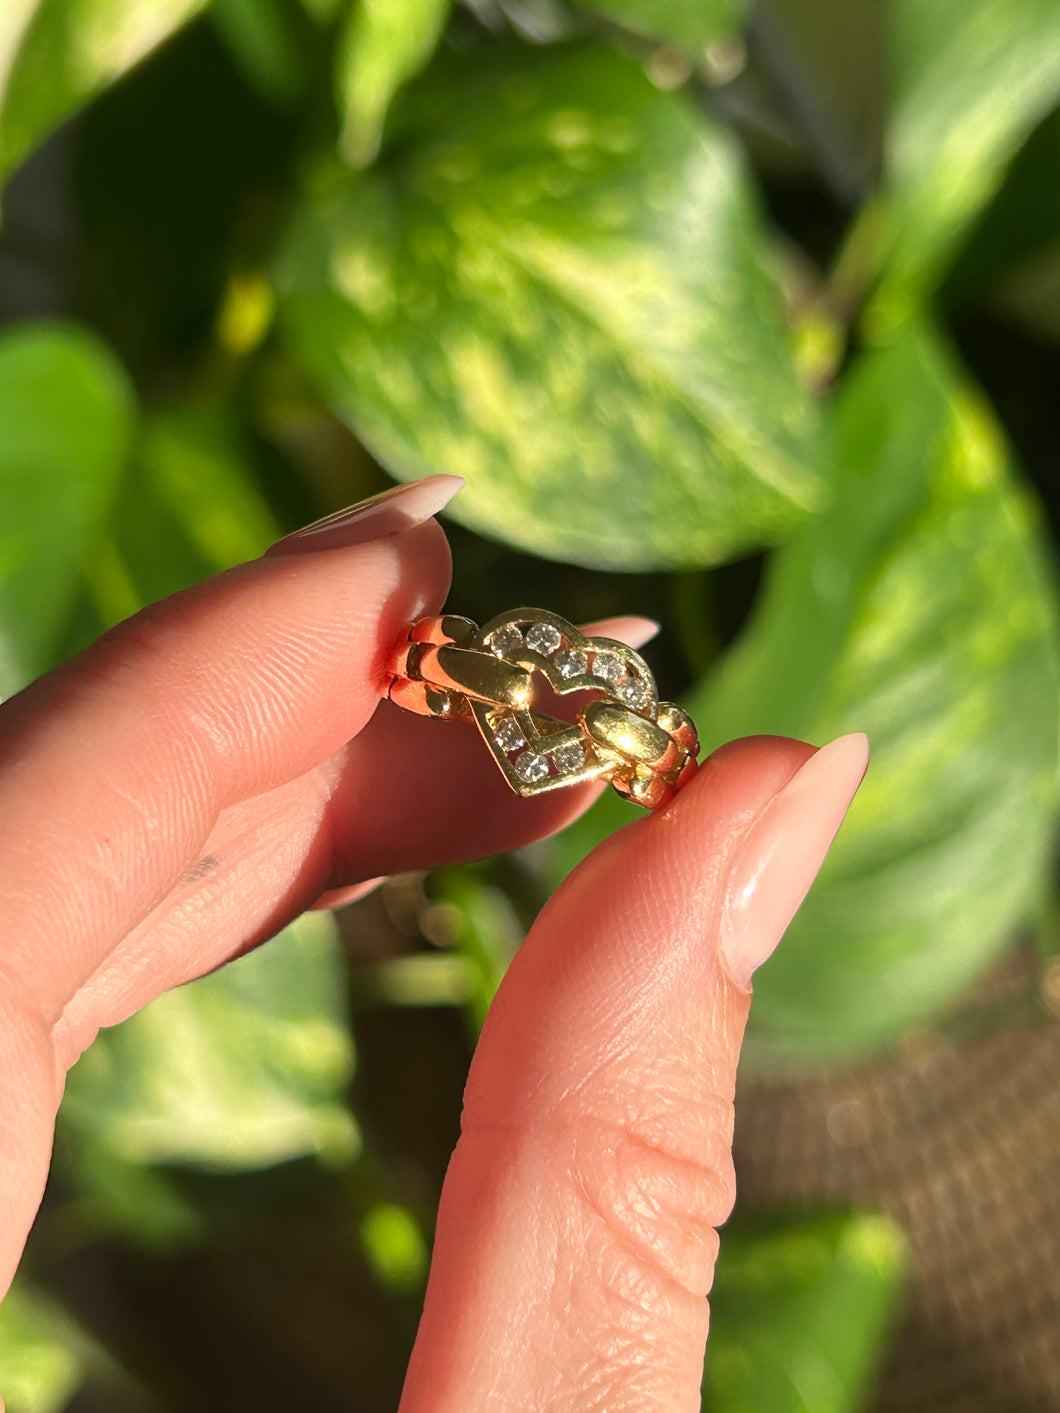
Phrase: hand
(221, 762)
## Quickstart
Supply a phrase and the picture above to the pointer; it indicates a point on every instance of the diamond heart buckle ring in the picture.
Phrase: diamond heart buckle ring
(449, 667)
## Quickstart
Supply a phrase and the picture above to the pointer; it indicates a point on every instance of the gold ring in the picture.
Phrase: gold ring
(449, 667)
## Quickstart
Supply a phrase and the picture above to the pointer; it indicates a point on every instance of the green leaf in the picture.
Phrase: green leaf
(971, 80)
(558, 288)
(71, 49)
(194, 459)
(385, 42)
(484, 931)
(15, 17)
(801, 1314)
(188, 506)
(41, 1364)
(117, 1196)
(689, 24)
(241, 1069)
(920, 609)
(264, 44)
(1020, 228)
(322, 12)
(395, 1247)
(66, 418)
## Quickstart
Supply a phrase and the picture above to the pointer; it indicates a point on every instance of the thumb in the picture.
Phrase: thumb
(576, 1236)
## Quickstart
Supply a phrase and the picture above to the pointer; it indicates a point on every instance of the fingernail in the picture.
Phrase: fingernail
(392, 511)
(783, 850)
(630, 628)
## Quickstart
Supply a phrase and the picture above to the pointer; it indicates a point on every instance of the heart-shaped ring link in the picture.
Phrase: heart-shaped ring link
(448, 667)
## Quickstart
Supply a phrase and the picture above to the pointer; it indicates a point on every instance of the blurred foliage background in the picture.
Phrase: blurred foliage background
(743, 317)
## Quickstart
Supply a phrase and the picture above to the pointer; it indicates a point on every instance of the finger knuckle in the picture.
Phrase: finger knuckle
(129, 649)
(658, 1199)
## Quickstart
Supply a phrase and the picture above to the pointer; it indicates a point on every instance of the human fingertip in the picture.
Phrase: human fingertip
(783, 850)
(342, 897)
(631, 629)
(391, 512)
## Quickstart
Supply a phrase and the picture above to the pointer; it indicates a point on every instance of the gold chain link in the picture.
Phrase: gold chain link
(448, 667)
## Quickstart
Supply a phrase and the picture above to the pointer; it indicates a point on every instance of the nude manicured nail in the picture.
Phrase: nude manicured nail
(783, 850)
(630, 628)
(397, 509)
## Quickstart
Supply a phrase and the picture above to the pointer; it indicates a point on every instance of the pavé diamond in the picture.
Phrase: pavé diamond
(609, 666)
(543, 638)
(532, 766)
(506, 640)
(569, 757)
(634, 693)
(571, 663)
(508, 735)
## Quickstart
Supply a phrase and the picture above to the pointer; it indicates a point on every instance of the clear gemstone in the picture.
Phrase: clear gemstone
(506, 640)
(571, 663)
(609, 666)
(532, 766)
(634, 693)
(569, 757)
(543, 638)
(508, 735)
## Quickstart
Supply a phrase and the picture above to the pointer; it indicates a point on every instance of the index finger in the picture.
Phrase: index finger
(195, 704)
(114, 770)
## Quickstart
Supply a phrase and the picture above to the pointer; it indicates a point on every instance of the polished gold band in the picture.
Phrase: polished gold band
(448, 667)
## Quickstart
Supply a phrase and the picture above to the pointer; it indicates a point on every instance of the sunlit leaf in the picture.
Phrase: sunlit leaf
(194, 459)
(416, 979)
(15, 16)
(1020, 226)
(240, 1069)
(689, 24)
(395, 1247)
(71, 49)
(188, 507)
(919, 608)
(971, 79)
(385, 43)
(1011, 263)
(558, 289)
(801, 1314)
(483, 929)
(41, 1367)
(66, 419)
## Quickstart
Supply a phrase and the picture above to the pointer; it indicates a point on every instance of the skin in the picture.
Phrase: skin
(222, 761)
